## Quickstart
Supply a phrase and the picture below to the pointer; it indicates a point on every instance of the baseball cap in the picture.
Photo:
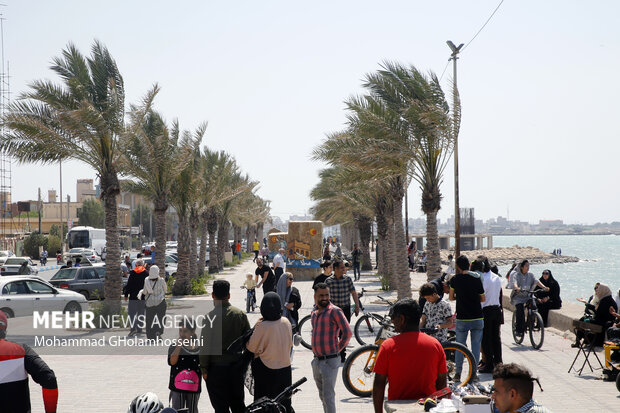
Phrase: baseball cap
(3, 321)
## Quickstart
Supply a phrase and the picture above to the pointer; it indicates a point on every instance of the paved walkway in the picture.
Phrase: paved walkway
(109, 383)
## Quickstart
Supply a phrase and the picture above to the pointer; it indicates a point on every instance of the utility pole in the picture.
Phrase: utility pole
(62, 225)
(39, 208)
(68, 215)
(457, 211)
(407, 213)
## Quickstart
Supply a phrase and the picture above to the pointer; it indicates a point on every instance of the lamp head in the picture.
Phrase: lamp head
(455, 50)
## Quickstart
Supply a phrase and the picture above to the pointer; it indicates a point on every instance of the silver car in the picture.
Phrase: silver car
(22, 295)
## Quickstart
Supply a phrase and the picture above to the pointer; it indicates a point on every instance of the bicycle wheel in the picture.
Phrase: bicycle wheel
(537, 330)
(453, 350)
(305, 331)
(516, 336)
(366, 328)
(357, 372)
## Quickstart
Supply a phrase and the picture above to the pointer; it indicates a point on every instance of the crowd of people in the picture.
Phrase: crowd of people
(411, 364)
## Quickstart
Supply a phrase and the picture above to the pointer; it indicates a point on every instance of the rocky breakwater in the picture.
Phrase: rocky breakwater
(508, 256)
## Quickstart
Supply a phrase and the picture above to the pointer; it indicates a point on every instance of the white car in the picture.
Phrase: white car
(22, 295)
(90, 255)
(4, 255)
(12, 265)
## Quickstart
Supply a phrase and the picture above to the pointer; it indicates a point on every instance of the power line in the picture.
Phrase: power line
(484, 25)
(444, 70)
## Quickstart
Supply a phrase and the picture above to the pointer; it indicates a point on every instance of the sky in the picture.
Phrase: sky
(538, 87)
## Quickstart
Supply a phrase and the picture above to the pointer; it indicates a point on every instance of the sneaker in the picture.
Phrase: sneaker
(296, 339)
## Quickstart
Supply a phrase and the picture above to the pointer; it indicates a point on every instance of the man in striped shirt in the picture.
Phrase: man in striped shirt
(330, 335)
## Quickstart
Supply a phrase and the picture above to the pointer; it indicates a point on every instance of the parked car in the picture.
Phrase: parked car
(4, 255)
(88, 281)
(90, 255)
(171, 265)
(22, 295)
(12, 264)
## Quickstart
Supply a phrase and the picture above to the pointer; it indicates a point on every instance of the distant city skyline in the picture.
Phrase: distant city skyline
(538, 135)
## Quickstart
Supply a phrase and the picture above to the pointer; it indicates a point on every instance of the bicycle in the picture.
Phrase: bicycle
(267, 405)
(358, 374)
(533, 323)
(250, 299)
(368, 324)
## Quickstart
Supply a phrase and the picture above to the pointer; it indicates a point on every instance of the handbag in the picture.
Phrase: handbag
(245, 358)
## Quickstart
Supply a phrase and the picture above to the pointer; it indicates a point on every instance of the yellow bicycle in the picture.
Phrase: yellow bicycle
(358, 370)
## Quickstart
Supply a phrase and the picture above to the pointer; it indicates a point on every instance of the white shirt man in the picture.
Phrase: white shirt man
(493, 316)
(279, 264)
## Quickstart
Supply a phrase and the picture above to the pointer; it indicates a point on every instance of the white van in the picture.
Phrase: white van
(86, 237)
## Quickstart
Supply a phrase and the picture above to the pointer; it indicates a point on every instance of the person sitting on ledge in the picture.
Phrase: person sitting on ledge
(603, 315)
(548, 300)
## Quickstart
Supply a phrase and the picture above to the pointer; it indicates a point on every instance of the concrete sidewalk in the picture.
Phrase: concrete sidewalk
(109, 383)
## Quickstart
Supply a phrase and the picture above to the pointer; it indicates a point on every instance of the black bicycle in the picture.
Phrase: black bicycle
(267, 405)
(533, 323)
(368, 324)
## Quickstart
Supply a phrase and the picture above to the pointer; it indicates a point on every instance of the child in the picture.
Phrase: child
(185, 370)
(436, 313)
(250, 284)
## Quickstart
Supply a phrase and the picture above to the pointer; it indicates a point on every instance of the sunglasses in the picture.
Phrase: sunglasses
(290, 279)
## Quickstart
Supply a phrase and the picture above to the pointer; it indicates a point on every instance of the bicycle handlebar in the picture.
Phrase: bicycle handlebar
(288, 392)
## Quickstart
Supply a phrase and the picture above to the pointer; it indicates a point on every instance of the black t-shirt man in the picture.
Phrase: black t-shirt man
(268, 278)
(468, 288)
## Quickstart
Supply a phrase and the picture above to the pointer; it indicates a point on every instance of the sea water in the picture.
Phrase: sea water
(599, 261)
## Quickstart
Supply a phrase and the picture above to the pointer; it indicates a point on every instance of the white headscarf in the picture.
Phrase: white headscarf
(153, 275)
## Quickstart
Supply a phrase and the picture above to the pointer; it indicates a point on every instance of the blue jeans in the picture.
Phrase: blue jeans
(462, 328)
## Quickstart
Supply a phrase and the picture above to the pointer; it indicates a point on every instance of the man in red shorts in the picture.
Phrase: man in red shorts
(413, 363)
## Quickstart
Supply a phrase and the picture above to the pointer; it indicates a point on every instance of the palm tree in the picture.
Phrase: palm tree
(184, 193)
(154, 159)
(81, 118)
(413, 107)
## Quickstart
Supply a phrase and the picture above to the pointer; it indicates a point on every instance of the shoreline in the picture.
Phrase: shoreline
(509, 255)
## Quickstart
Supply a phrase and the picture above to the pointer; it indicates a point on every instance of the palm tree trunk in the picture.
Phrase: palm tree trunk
(381, 244)
(363, 226)
(260, 230)
(400, 251)
(433, 260)
(388, 252)
(248, 237)
(222, 242)
(112, 284)
(193, 243)
(212, 228)
(202, 257)
(160, 234)
(182, 283)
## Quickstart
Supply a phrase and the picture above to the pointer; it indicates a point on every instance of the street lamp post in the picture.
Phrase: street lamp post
(457, 212)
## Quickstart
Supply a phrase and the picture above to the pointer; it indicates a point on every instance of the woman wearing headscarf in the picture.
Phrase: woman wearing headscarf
(271, 343)
(155, 292)
(602, 314)
(290, 298)
(548, 300)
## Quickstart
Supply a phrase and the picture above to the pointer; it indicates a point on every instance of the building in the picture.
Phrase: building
(84, 190)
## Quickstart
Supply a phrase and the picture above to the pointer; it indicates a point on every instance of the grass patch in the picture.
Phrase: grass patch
(197, 284)
(385, 284)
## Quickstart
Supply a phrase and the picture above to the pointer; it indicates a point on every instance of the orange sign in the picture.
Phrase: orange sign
(274, 239)
(313, 231)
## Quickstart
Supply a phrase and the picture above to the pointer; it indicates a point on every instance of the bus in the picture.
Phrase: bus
(86, 237)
